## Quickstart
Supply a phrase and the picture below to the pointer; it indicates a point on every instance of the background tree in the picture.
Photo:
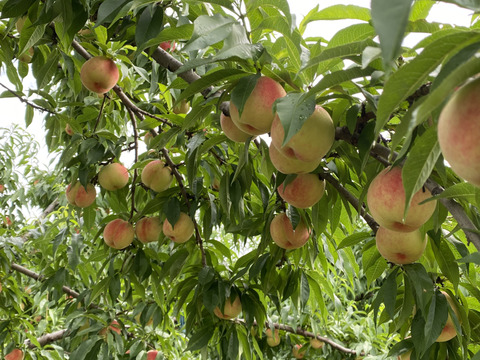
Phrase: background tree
(166, 225)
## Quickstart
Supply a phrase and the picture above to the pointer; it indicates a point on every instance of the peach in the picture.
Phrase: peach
(27, 56)
(2, 188)
(386, 202)
(304, 191)
(272, 339)
(231, 130)
(257, 115)
(311, 142)
(297, 352)
(152, 354)
(80, 196)
(69, 130)
(99, 74)
(283, 234)
(400, 247)
(316, 343)
(118, 234)
(458, 132)
(289, 165)
(230, 309)
(157, 176)
(182, 231)
(113, 176)
(148, 138)
(181, 108)
(168, 45)
(114, 326)
(449, 331)
(148, 229)
(15, 354)
(405, 356)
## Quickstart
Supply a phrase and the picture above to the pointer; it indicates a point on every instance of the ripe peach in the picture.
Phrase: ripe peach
(386, 201)
(2, 188)
(272, 339)
(230, 310)
(15, 354)
(99, 74)
(257, 115)
(69, 130)
(304, 191)
(231, 130)
(79, 196)
(113, 176)
(289, 165)
(118, 234)
(148, 229)
(311, 142)
(182, 231)
(157, 176)
(168, 45)
(114, 326)
(283, 234)
(458, 132)
(449, 331)
(400, 247)
(152, 354)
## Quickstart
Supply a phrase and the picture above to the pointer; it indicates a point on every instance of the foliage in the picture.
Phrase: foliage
(384, 99)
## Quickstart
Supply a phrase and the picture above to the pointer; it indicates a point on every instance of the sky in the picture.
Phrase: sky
(14, 111)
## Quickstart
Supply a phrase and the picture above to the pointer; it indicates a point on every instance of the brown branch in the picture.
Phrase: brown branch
(135, 173)
(25, 101)
(46, 339)
(352, 199)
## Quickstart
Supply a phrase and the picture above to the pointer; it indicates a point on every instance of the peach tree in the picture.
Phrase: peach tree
(218, 179)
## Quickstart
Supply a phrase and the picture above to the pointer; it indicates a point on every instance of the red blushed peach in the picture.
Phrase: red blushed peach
(113, 176)
(168, 45)
(230, 310)
(449, 331)
(182, 231)
(311, 142)
(272, 339)
(304, 191)
(458, 132)
(297, 352)
(289, 165)
(257, 115)
(400, 247)
(15, 354)
(79, 196)
(99, 74)
(118, 234)
(231, 130)
(69, 130)
(386, 202)
(283, 234)
(114, 326)
(157, 176)
(148, 229)
(152, 354)
(2, 188)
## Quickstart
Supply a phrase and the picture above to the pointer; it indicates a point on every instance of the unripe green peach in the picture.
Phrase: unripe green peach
(230, 310)
(113, 176)
(157, 176)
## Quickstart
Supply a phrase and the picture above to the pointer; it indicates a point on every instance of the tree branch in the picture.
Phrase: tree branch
(25, 101)
(46, 339)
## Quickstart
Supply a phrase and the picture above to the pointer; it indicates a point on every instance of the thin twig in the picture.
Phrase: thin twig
(25, 101)
(135, 173)
(100, 113)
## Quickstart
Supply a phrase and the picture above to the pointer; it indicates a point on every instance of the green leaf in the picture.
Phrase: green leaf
(47, 71)
(354, 239)
(209, 30)
(149, 25)
(293, 110)
(471, 258)
(111, 9)
(200, 339)
(281, 5)
(419, 164)
(468, 4)
(242, 91)
(14, 8)
(446, 261)
(421, 283)
(175, 263)
(171, 208)
(30, 35)
(436, 318)
(410, 76)
(340, 12)
(28, 115)
(390, 19)
(461, 191)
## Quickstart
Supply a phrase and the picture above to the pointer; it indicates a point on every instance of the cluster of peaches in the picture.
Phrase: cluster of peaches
(300, 155)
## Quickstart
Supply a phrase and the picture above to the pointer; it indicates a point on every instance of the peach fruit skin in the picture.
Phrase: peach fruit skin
(148, 229)
(152, 354)
(157, 176)
(311, 142)
(113, 176)
(272, 339)
(182, 231)
(231, 130)
(15, 354)
(99, 74)
(257, 115)
(400, 247)
(449, 331)
(230, 310)
(283, 234)
(78, 196)
(118, 234)
(386, 202)
(289, 165)
(304, 191)
(459, 132)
